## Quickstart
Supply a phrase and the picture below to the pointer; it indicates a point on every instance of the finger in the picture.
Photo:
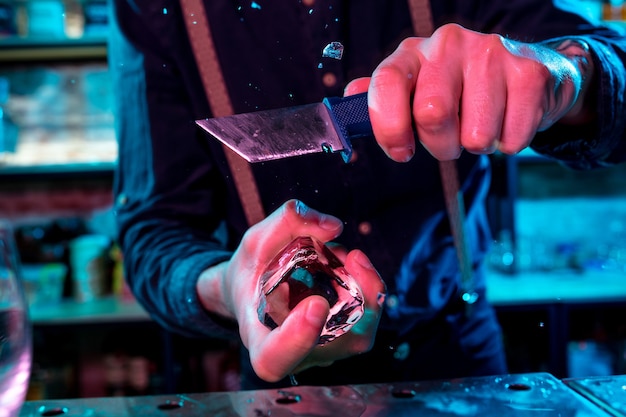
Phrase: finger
(372, 285)
(389, 100)
(527, 103)
(374, 290)
(281, 351)
(356, 86)
(484, 100)
(294, 218)
(436, 104)
(339, 250)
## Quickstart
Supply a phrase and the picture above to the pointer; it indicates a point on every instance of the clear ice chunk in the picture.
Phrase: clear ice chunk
(306, 267)
(333, 50)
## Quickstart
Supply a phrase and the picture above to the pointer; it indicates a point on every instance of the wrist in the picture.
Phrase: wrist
(211, 292)
(578, 53)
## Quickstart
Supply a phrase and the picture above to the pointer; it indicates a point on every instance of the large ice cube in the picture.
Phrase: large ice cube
(306, 267)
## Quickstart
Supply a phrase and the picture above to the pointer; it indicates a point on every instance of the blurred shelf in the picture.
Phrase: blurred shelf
(555, 287)
(503, 290)
(14, 50)
(58, 171)
(103, 310)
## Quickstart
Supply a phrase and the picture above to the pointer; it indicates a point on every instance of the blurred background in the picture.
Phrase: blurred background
(557, 271)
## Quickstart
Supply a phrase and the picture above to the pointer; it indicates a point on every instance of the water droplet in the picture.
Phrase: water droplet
(292, 379)
(333, 50)
(255, 5)
(327, 148)
(165, 10)
(320, 66)
(542, 324)
(310, 11)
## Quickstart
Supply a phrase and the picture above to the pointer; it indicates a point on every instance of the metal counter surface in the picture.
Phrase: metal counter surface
(608, 392)
(536, 394)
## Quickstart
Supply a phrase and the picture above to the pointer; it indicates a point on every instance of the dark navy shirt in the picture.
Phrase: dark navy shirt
(174, 190)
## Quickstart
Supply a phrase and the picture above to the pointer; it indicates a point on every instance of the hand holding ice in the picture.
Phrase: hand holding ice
(306, 267)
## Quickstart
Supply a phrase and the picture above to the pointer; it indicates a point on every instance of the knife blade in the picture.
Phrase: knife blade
(329, 126)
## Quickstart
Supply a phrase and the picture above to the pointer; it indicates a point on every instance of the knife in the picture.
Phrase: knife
(329, 126)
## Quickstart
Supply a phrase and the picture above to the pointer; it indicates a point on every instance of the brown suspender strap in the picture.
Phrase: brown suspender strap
(203, 48)
(421, 18)
(423, 26)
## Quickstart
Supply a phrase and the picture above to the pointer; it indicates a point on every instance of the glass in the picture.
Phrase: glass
(15, 328)
(306, 267)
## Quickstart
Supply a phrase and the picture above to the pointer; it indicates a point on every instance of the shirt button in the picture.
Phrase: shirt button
(308, 3)
(122, 200)
(365, 228)
(329, 79)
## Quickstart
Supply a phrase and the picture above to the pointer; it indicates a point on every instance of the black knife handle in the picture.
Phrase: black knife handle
(352, 119)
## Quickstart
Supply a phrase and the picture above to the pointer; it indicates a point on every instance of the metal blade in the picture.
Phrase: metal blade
(274, 134)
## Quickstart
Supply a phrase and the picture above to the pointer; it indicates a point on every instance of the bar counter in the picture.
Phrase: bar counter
(535, 394)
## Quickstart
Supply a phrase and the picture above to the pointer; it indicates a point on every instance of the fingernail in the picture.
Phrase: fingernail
(313, 316)
(329, 223)
(401, 153)
(363, 260)
(324, 221)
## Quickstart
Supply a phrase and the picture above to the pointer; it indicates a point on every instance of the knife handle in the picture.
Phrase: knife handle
(352, 119)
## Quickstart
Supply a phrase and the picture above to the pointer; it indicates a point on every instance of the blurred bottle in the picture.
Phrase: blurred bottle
(96, 18)
(74, 19)
(7, 19)
(8, 129)
(46, 19)
(613, 10)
